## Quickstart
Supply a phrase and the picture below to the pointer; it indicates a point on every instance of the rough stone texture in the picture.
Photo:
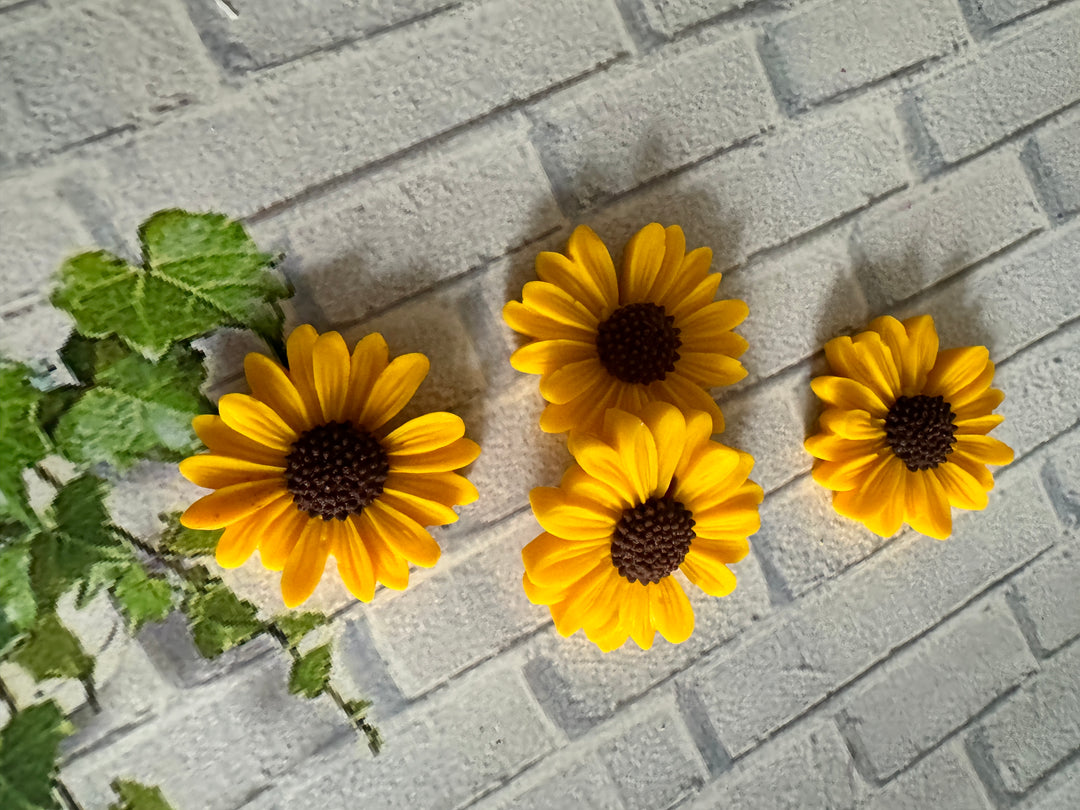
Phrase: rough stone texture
(1036, 728)
(584, 783)
(1048, 602)
(1062, 476)
(943, 779)
(1055, 156)
(951, 674)
(669, 17)
(994, 13)
(819, 52)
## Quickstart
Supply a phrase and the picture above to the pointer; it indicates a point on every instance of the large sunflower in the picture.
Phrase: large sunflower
(303, 468)
(903, 436)
(650, 333)
(649, 496)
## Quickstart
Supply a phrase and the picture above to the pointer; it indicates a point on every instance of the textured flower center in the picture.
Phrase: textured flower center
(652, 539)
(335, 470)
(920, 431)
(639, 343)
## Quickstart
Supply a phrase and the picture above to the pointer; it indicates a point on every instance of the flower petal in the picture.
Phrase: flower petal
(928, 509)
(710, 369)
(633, 442)
(634, 614)
(393, 388)
(983, 449)
(446, 488)
(557, 305)
(878, 502)
(692, 272)
(708, 573)
(223, 440)
(542, 326)
(961, 488)
(307, 561)
(955, 369)
(867, 360)
(713, 320)
(587, 250)
(425, 512)
(668, 428)
(570, 613)
(570, 517)
(454, 456)
(567, 382)
(425, 433)
(214, 471)
(239, 540)
(369, 360)
(354, 563)
(545, 356)
(700, 296)
(270, 383)
(281, 536)
(257, 421)
(848, 394)
(922, 350)
(670, 611)
(299, 348)
(390, 568)
(642, 259)
(602, 462)
(855, 425)
(568, 275)
(668, 275)
(552, 561)
(688, 396)
(404, 535)
(230, 504)
(331, 368)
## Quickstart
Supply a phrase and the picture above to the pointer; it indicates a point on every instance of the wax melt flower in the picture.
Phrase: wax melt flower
(903, 436)
(649, 496)
(303, 468)
(650, 333)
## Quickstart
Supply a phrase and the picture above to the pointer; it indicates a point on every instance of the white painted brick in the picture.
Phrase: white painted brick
(1040, 392)
(793, 310)
(1010, 302)
(823, 50)
(805, 541)
(440, 755)
(25, 691)
(77, 84)
(993, 13)
(669, 17)
(465, 612)
(622, 128)
(1048, 599)
(943, 779)
(1062, 790)
(654, 762)
(841, 630)
(1057, 164)
(481, 195)
(140, 497)
(808, 768)
(331, 115)
(579, 686)
(268, 32)
(768, 421)
(1036, 728)
(218, 745)
(35, 331)
(916, 239)
(586, 783)
(1016, 83)
(764, 194)
(1062, 477)
(951, 674)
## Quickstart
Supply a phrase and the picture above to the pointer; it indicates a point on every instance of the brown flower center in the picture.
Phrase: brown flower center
(920, 431)
(335, 470)
(639, 343)
(652, 539)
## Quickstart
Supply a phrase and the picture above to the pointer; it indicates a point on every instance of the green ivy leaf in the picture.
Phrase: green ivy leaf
(219, 619)
(142, 598)
(21, 442)
(294, 626)
(181, 541)
(136, 409)
(311, 672)
(135, 796)
(29, 745)
(18, 608)
(51, 651)
(200, 271)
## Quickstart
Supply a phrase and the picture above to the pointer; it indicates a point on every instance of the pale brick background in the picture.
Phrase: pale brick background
(843, 158)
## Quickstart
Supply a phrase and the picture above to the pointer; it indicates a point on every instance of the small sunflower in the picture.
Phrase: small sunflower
(303, 468)
(650, 333)
(903, 437)
(649, 496)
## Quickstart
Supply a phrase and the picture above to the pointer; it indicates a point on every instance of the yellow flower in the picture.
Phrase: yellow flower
(650, 495)
(651, 333)
(303, 468)
(903, 436)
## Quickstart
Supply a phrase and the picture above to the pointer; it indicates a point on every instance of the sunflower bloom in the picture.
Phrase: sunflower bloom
(650, 333)
(648, 496)
(303, 467)
(903, 435)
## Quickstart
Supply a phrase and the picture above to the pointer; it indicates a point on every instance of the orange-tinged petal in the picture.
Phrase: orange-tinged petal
(668, 428)
(636, 449)
(571, 517)
(955, 369)
(552, 561)
(983, 449)
(922, 350)
(701, 296)
(710, 369)
(867, 360)
(542, 326)
(565, 273)
(938, 523)
(230, 504)
(369, 360)
(570, 614)
(848, 394)
(425, 512)
(223, 440)
(878, 503)
(847, 473)
(214, 471)
(642, 259)
(307, 561)
(459, 453)
(635, 615)
(404, 535)
(688, 396)
(281, 536)
(299, 349)
(708, 573)
(446, 488)
(270, 383)
(425, 433)
(393, 389)
(239, 540)
(257, 421)
(568, 382)
(961, 488)
(354, 563)
(670, 611)
(545, 356)
(674, 254)
(586, 249)
(602, 462)
(391, 569)
(830, 447)
(856, 425)
(331, 367)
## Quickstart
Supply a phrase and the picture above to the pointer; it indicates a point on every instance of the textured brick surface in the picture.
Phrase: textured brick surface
(585, 783)
(671, 16)
(1048, 601)
(1056, 156)
(950, 674)
(943, 779)
(821, 51)
(992, 13)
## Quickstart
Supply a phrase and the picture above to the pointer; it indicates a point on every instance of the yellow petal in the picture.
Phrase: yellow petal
(713, 320)
(299, 348)
(369, 360)
(692, 273)
(394, 387)
(642, 259)
(404, 535)
(670, 611)
(585, 414)
(545, 356)
(955, 369)
(571, 517)
(855, 425)
(830, 447)
(257, 421)
(223, 440)
(447, 488)
(703, 476)
(553, 561)
(331, 368)
(688, 396)
(569, 381)
(922, 350)
(454, 456)
(587, 250)
(866, 360)
(708, 573)
(636, 448)
(558, 305)
(391, 569)
(580, 484)
(634, 614)
(938, 521)
(270, 383)
(668, 274)
(570, 613)
(730, 545)
(425, 512)
(700, 296)
(281, 536)
(214, 471)
(540, 325)
(878, 503)
(847, 473)
(565, 273)
(239, 540)
(961, 488)
(974, 390)
(848, 394)
(983, 449)
(230, 504)
(710, 369)
(425, 433)
(979, 424)
(354, 563)
(602, 462)
(668, 428)
(979, 406)
(307, 561)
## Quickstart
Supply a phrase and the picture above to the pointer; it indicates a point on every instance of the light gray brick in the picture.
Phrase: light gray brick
(765, 194)
(478, 602)
(1048, 599)
(268, 32)
(327, 116)
(792, 311)
(841, 630)
(654, 762)
(950, 674)
(803, 539)
(579, 686)
(437, 756)
(1062, 476)
(1036, 728)
(987, 14)
(916, 239)
(669, 17)
(585, 783)
(77, 82)
(237, 735)
(824, 50)
(1040, 385)
(808, 768)
(620, 129)
(1056, 161)
(1010, 302)
(1017, 82)
(943, 779)
(481, 195)
(34, 332)
(1059, 791)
